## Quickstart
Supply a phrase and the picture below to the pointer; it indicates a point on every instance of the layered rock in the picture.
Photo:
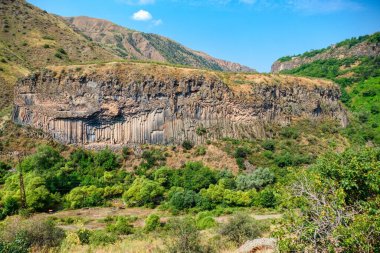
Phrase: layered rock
(125, 103)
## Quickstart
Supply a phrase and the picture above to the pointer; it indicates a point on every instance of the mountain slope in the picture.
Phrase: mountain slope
(132, 44)
(31, 38)
(363, 46)
(355, 65)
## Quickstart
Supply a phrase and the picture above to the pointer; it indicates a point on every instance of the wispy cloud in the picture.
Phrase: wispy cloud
(142, 15)
(157, 22)
(137, 2)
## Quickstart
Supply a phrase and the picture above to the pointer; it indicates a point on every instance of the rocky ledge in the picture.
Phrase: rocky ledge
(136, 103)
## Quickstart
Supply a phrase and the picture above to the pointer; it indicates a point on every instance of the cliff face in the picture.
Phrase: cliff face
(369, 47)
(124, 103)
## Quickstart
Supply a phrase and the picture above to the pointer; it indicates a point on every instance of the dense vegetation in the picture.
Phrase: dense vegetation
(348, 43)
(359, 79)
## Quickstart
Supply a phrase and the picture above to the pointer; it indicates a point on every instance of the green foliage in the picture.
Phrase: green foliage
(153, 158)
(85, 196)
(18, 235)
(61, 51)
(340, 191)
(100, 237)
(84, 236)
(152, 222)
(201, 131)
(186, 237)
(268, 144)
(266, 198)
(181, 199)
(241, 228)
(143, 192)
(106, 160)
(357, 172)
(120, 227)
(257, 179)
(187, 145)
(205, 221)
(200, 151)
(4, 171)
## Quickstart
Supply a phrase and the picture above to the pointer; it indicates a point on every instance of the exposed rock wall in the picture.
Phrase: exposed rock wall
(118, 104)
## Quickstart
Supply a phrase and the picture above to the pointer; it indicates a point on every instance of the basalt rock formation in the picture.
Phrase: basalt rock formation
(136, 103)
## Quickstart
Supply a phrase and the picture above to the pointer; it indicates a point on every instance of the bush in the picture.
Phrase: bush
(187, 145)
(61, 51)
(255, 180)
(153, 158)
(201, 150)
(106, 160)
(143, 192)
(185, 236)
(121, 226)
(266, 198)
(195, 176)
(85, 196)
(205, 221)
(289, 132)
(152, 222)
(268, 144)
(84, 236)
(180, 199)
(241, 228)
(99, 237)
(242, 152)
(36, 232)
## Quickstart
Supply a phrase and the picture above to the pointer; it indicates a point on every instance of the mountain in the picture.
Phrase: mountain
(118, 104)
(31, 38)
(354, 64)
(131, 44)
(363, 46)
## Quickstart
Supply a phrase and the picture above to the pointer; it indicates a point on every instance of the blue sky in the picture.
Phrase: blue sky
(252, 32)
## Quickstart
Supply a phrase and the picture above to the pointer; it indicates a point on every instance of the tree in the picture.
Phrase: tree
(143, 192)
(257, 179)
(84, 196)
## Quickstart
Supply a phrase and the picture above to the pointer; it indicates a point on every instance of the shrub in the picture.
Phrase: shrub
(205, 221)
(241, 228)
(201, 150)
(99, 237)
(268, 144)
(153, 157)
(266, 198)
(195, 176)
(181, 199)
(185, 236)
(61, 51)
(121, 226)
(242, 152)
(46, 46)
(289, 132)
(84, 236)
(187, 145)
(256, 179)
(152, 222)
(36, 232)
(106, 160)
(143, 192)
(201, 131)
(85, 196)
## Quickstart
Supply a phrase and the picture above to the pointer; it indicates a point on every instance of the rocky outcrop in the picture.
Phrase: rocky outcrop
(260, 245)
(125, 103)
(366, 48)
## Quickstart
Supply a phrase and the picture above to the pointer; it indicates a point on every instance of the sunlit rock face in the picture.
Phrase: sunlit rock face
(136, 103)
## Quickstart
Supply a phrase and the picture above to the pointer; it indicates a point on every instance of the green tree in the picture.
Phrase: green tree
(143, 192)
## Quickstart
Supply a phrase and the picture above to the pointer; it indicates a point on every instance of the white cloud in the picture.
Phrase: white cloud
(142, 15)
(157, 22)
(137, 2)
